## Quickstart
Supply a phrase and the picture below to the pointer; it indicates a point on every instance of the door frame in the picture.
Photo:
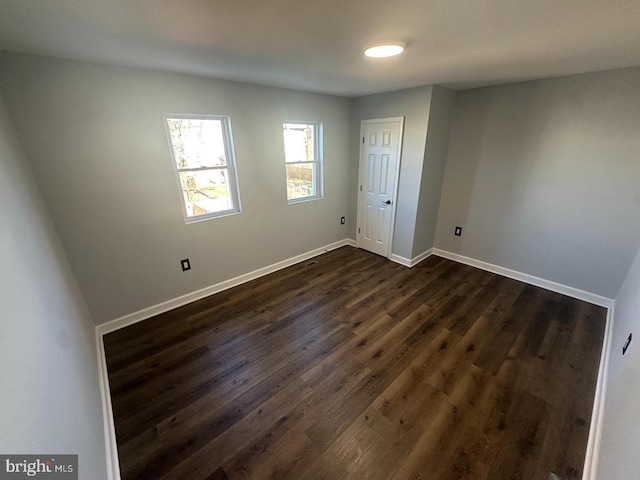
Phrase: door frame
(394, 195)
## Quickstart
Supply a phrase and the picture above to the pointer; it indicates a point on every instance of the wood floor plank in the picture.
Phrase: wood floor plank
(257, 296)
(430, 455)
(359, 452)
(350, 366)
(401, 402)
(523, 439)
(266, 420)
(211, 426)
(497, 345)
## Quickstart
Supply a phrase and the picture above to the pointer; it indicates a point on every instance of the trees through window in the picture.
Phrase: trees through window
(203, 158)
(303, 160)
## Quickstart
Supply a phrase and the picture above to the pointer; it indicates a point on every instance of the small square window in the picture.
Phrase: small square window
(202, 153)
(303, 160)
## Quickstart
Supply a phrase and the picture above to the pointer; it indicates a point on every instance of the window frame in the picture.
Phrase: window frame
(318, 151)
(232, 182)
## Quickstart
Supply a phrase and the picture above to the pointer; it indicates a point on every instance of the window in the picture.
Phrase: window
(303, 160)
(202, 152)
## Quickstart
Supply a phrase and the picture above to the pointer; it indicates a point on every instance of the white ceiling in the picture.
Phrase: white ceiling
(317, 45)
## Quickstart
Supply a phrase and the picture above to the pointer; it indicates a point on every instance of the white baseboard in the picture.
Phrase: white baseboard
(597, 416)
(416, 260)
(154, 310)
(595, 430)
(530, 279)
(410, 262)
(111, 446)
(401, 260)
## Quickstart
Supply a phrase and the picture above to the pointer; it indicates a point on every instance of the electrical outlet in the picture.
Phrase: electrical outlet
(458, 232)
(343, 220)
(186, 265)
(626, 344)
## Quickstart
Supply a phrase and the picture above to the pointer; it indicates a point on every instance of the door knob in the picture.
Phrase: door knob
(388, 202)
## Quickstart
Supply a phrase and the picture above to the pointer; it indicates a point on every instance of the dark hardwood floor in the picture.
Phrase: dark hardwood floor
(353, 367)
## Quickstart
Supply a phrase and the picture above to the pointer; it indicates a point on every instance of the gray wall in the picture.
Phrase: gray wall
(435, 158)
(49, 389)
(413, 104)
(95, 137)
(619, 444)
(543, 177)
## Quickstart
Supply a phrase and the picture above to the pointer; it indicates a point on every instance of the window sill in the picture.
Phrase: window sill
(212, 216)
(303, 200)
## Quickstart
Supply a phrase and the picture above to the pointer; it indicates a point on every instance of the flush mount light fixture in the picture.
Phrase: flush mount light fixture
(384, 50)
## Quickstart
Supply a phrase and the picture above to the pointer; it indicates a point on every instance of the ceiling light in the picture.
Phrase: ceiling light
(385, 50)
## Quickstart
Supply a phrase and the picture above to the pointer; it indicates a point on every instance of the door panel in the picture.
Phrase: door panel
(379, 161)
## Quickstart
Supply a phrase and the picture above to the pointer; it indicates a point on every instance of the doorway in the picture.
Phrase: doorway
(379, 171)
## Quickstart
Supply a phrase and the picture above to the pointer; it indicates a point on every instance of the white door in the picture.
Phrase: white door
(380, 147)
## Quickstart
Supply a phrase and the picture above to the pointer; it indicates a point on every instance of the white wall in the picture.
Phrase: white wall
(441, 111)
(95, 137)
(49, 394)
(543, 178)
(428, 113)
(621, 426)
(413, 104)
